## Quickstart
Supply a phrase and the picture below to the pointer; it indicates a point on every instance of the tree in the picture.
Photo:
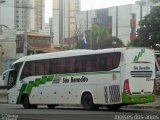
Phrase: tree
(100, 33)
(110, 42)
(149, 31)
(135, 43)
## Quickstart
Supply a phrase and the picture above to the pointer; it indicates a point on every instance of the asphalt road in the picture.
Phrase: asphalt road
(16, 112)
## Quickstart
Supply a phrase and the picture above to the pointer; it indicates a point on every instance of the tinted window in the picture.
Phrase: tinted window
(14, 74)
(86, 63)
(60, 66)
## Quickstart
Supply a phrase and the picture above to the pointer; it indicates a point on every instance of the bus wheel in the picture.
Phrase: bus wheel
(87, 102)
(114, 107)
(25, 102)
(51, 106)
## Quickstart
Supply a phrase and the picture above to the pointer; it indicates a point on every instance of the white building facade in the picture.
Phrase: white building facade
(7, 34)
(128, 19)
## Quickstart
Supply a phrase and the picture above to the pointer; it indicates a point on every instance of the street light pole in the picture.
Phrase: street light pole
(117, 21)
(141, 3)
(61, 27)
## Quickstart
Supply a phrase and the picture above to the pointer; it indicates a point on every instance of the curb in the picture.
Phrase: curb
(142, 107)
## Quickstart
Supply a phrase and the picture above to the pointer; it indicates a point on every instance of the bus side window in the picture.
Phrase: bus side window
(116, 59)
(89, 63)
(52, 66)
(60, 66)
(84, 63)
(32, 68)
(97, 63)
(46, 67)
(109, 61)
(78, 64)
(70, 65)
(103, 62)
(41, 68)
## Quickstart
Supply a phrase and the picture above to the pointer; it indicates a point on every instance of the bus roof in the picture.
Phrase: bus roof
(68, 53)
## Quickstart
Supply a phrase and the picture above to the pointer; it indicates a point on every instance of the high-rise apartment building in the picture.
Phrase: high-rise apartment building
(70, 8)
(29, 14)
(7, 13)
(39, 13)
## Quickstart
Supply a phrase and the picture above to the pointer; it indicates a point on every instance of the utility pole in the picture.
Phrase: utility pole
(141, 4)
(87, 31)
(25, 47)
(61, 22)
(117, 21)
(51, 32)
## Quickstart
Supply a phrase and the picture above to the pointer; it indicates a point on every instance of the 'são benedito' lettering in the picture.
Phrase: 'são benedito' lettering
(75, 79)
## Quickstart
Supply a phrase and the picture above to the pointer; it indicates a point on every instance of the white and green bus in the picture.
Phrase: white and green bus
(92, 78)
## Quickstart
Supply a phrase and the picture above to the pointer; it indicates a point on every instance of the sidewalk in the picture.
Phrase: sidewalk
(3, 97)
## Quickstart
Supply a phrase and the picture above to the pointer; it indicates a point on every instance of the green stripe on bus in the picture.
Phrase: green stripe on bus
(27, 88)
(140, 54)
(23, 88)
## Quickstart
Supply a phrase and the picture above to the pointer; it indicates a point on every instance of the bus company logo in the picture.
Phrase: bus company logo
(56, 80)
(75, 80)
(140, 54)
(82, 79)
(141, 68)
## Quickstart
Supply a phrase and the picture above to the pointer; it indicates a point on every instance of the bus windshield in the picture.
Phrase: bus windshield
(13, 74)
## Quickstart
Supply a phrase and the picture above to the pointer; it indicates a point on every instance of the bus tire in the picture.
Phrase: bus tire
(114, 107)
(51, 106)
(25, 102)
(87, 102)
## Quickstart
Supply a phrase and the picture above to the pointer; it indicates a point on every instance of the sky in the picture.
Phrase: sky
(88, 5)
(48, 10)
